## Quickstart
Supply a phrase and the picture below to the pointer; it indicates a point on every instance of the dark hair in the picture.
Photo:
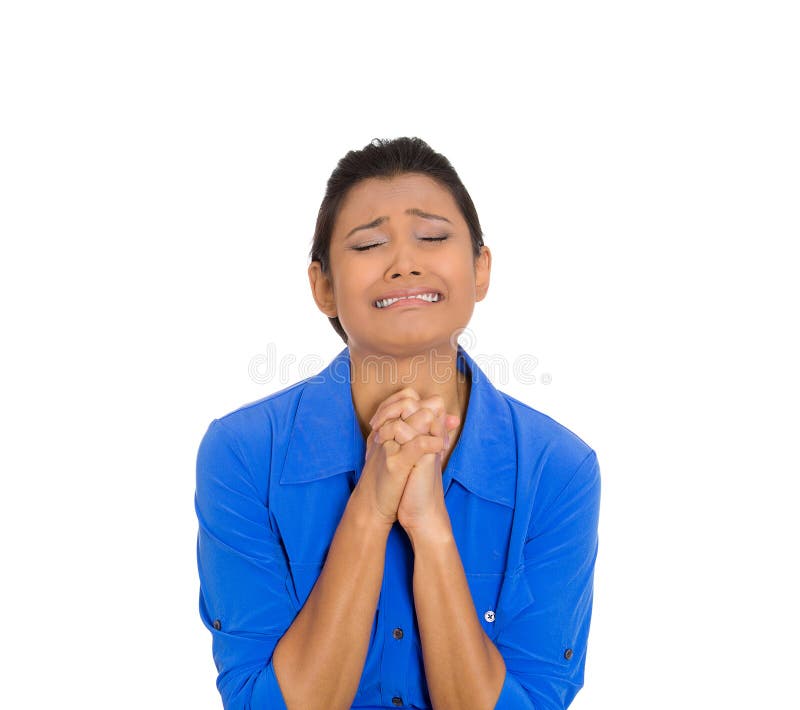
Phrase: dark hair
(383, 158)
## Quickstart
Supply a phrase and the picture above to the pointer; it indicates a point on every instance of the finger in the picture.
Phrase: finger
(404, 407)
(425, 420)
(438, 428)
(395, 429)
(391, 447)
(452, 421)
(406, 392)
(435, 403)
(422, 420)
(441, 429)
(421, 444)
(398, 409)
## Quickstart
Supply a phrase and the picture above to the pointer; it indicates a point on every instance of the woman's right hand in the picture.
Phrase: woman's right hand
(396, 447)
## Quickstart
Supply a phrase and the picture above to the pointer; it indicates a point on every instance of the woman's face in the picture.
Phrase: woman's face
(383, 242)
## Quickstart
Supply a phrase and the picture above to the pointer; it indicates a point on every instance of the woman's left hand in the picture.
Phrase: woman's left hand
(422, 504)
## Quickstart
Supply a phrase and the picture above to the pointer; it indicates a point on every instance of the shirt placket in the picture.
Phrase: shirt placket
(397, 610)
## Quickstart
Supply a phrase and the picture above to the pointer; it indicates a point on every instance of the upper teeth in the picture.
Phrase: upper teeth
(430, 297)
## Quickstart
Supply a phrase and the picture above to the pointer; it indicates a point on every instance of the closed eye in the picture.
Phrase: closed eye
(424, 239)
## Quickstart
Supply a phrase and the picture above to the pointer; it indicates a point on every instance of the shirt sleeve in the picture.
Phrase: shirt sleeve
(544, 642)
(244, 600)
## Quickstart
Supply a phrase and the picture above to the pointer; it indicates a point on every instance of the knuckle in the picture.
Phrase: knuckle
(409, 402)
(423, 415)
(426, 443)
(434, 403)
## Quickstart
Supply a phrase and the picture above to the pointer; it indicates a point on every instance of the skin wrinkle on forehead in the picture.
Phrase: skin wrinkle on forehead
(397, 187)
(411, 210)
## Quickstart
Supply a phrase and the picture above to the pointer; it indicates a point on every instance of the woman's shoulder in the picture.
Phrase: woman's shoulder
(260, 423)
(553, 462)
(546, 441)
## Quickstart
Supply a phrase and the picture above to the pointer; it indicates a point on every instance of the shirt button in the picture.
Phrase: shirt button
(397, 633)
(568, 653)
(489, 615)
(217, 624)
(397, 701)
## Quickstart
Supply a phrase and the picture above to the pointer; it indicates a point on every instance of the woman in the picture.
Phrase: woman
(395, 531)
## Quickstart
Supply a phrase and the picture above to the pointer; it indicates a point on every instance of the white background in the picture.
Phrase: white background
(635, 169)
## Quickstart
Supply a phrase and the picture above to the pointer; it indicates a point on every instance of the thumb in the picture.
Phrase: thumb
(451, 421)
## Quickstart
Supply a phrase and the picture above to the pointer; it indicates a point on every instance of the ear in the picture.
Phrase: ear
(483, 268)
(322, 289)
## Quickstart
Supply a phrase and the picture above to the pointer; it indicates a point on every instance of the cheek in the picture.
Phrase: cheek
(464, 282)
(354, 295)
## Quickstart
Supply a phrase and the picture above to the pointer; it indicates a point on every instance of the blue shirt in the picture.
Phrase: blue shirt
(522, 492)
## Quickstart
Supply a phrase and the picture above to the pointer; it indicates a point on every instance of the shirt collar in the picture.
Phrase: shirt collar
(326, 439)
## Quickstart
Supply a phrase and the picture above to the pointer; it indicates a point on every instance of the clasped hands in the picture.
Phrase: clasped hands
(403, 464)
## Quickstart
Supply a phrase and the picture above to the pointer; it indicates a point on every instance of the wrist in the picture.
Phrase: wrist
(435, 530)
(366, 515)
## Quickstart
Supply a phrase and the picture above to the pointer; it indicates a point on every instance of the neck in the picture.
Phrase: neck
(433, 372)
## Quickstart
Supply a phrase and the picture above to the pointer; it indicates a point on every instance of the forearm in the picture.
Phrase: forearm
(320, 659)
(463, 668)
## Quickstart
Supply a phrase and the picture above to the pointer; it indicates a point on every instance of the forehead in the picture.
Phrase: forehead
(381, 197)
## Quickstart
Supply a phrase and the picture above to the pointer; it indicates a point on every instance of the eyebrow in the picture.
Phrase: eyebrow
(410, 210)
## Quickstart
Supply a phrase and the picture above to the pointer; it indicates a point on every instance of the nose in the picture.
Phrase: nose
(405, 259)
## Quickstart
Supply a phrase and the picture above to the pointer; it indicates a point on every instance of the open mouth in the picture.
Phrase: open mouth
(433, 297)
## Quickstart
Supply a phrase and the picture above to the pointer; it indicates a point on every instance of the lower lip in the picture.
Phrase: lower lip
(409, 302)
